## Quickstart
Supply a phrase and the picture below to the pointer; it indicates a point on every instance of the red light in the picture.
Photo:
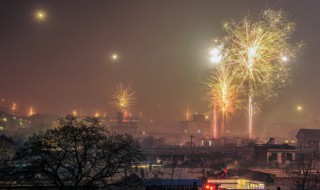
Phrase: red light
(210, 187)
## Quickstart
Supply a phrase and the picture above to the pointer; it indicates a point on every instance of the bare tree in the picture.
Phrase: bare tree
(79, 153)
(303, 171)
(7, 149)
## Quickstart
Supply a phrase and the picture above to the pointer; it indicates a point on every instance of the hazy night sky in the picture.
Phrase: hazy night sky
(64, 63)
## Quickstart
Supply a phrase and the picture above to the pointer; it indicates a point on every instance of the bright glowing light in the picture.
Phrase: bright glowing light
(40, 15)
(97, 114)
(114, 57)
(284, 58)
(123, 98)
(216, 55)
(74, 113)
(31, 111)
(251, 55)
(252, 51)
(299, 108)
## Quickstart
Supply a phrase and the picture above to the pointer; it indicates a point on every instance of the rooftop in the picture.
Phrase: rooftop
(309, 133)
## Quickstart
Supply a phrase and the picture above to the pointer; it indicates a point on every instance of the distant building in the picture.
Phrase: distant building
(282, 132)
(199, 126)
(10, 122)
(308, 140)
(123, 124)
(196, 132)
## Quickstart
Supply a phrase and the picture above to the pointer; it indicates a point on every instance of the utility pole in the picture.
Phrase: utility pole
(191, 137)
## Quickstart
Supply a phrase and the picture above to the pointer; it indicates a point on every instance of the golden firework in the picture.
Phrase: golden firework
(223, 91)
(256, 52)
(124, 98)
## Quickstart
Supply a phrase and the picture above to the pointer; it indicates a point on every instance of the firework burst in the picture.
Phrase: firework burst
(124, 98)
(257, 49)
(223, 91)
(256, 52)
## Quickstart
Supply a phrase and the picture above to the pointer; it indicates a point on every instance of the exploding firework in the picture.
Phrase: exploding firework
(256, 52)
(223, 91)
(124, 98)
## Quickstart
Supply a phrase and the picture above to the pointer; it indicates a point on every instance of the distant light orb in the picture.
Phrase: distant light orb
(114, 57)
(299, 108)
(40, 15)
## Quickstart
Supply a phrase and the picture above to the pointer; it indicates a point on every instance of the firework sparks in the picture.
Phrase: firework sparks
(223, 91)
(256, 52)
(124, 98)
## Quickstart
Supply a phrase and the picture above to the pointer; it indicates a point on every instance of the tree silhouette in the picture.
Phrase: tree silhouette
(79, 154)
(304, 171)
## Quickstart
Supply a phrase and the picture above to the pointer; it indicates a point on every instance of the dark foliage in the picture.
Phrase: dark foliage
(79, 153)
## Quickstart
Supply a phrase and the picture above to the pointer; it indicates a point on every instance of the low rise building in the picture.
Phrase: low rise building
(274, 155)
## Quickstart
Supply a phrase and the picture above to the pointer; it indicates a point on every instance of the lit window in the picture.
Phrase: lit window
(185, 131)
(198, 130)
(210, 143)
(202, 143)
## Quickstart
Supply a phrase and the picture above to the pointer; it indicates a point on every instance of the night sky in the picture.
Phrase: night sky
(64, 62)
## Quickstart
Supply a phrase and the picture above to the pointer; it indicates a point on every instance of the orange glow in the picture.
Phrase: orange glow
(74, 113)
(31, 111)
(14, 106)
(188, 113)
